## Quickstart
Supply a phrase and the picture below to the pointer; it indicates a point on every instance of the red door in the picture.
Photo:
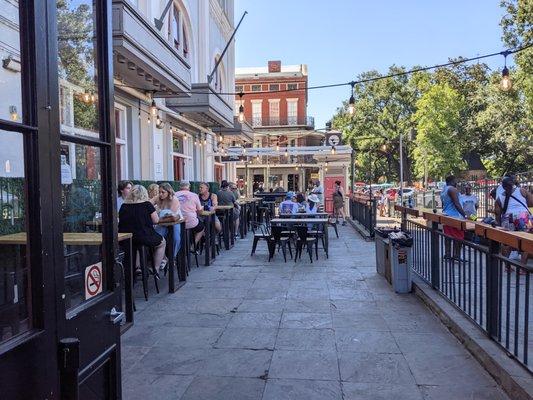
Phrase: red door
(329, 188)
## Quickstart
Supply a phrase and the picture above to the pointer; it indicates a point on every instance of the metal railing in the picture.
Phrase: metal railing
(363, 210)
(308, 122)
(472, 274)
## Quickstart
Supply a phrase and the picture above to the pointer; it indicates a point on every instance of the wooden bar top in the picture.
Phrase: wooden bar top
(69, 238)
(205, 213)
(518, 240)
(171, 222)
(298, 220)
(223, 207)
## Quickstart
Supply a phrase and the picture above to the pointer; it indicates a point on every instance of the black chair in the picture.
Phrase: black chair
(261, 232)
(318, 234)
(304, 239)
(193, 247)
(144, 252)
(279, 237)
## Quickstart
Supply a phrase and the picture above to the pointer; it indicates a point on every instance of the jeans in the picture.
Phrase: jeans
(162, 230)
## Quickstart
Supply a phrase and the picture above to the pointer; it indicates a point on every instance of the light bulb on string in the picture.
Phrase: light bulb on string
(153, 108)
(92, 98)
(286, 152)
(333, 150)
(86, 98)
(148, 120)
(505, 83)
(205, 140)
(351, 102)
(241, 108)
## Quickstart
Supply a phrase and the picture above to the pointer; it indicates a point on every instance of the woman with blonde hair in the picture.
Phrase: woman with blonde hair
(153, 192)
(168, 205)
(138, 216)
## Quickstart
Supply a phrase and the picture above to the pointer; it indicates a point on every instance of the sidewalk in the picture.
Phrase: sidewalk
(244, 328)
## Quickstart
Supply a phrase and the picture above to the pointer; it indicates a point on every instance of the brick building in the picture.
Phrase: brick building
(275, 104)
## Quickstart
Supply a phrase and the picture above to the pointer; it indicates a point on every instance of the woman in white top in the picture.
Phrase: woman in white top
(513, 201)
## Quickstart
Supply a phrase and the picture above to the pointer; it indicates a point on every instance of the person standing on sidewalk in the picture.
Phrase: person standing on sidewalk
(451, 206)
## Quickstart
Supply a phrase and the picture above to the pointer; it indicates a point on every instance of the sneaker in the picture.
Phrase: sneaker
(163, 266)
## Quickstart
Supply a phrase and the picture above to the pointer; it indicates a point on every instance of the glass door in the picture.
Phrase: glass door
(89, 291)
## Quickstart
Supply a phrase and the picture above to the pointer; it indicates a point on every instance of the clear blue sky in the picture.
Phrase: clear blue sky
(338, 39)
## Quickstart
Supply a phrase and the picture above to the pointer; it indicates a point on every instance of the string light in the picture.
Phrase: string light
(205, 140)
(505, 83)
(86, 98)
(241, 108)
(153, 108)
(13, 113)
(333, 150)
(286, 152)
(351, 102)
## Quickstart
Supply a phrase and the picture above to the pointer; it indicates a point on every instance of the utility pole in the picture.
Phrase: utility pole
(401, 168)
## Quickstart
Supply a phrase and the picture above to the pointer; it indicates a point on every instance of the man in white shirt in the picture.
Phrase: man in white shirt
(469, 201)
(319, 191)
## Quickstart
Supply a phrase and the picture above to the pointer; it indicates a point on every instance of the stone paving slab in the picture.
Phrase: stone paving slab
(248, 329)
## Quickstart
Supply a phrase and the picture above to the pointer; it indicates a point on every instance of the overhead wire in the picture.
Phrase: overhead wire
(503, 53)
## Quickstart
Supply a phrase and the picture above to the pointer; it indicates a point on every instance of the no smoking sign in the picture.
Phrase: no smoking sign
(93, 280)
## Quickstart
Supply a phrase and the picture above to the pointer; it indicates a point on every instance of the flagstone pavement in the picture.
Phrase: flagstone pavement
(244, 328)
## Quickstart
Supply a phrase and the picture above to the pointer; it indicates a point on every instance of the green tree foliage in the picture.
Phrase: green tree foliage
(438, 148)
(383, 109)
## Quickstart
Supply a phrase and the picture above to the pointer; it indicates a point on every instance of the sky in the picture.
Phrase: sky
(339, 39)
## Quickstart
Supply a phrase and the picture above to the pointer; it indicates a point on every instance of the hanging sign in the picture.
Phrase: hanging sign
(333, 138)
(232, 158)
(93, 280)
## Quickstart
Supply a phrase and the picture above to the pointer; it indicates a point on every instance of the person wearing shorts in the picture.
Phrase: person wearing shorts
(451, 206)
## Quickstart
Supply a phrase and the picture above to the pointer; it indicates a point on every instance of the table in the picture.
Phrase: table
(169, 251)
(305, 215)
(228, 227)
(92, 239)
(209, 235)
(301, 221)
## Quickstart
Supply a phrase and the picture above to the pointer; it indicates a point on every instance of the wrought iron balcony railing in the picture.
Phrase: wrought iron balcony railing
(307, 122)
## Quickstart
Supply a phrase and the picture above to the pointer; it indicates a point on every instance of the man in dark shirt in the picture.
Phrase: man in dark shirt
(227, 198)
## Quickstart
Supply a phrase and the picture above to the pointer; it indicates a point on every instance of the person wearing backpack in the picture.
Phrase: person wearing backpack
(513, 202)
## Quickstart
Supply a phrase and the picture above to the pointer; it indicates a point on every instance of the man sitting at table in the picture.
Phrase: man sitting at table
(288, 206)
(228, 198)
(190, 206)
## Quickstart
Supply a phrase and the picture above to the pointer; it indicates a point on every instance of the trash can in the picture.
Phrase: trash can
(381, 240)
(400, 254)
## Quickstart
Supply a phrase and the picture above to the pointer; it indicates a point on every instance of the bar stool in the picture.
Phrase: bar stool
(143, 252)
(193, 248)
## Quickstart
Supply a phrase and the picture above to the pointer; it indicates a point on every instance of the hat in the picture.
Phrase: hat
(314, 198)
(289, 195)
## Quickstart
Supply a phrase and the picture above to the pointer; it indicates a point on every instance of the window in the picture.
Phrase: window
(239, 88)
(177, 31)
(174, 27)
(257, 119)
(121, 143)
(292, 86)
(292, 112)
(274, 112)
(219, 74)
(273, 87)
(256, 88)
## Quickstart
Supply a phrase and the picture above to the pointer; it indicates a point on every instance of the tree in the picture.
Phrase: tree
(507, 122)
(383, 109)
(438, 150)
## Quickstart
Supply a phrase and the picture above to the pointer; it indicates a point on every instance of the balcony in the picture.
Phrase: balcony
(283, 122)
(205, 107)
(143, 58)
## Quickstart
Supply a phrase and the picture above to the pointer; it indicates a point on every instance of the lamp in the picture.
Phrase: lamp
(351, 102)
(13, 113)
(333, 150)
(241, 108)
(153, 108)
(505, 83)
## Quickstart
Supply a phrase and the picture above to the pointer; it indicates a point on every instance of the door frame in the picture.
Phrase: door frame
(30, 361)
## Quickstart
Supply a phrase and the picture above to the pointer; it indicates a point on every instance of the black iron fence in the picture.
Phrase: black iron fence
(489, 288)
(363, 210)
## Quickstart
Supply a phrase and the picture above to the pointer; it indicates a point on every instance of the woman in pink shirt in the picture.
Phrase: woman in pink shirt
(190, 206)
